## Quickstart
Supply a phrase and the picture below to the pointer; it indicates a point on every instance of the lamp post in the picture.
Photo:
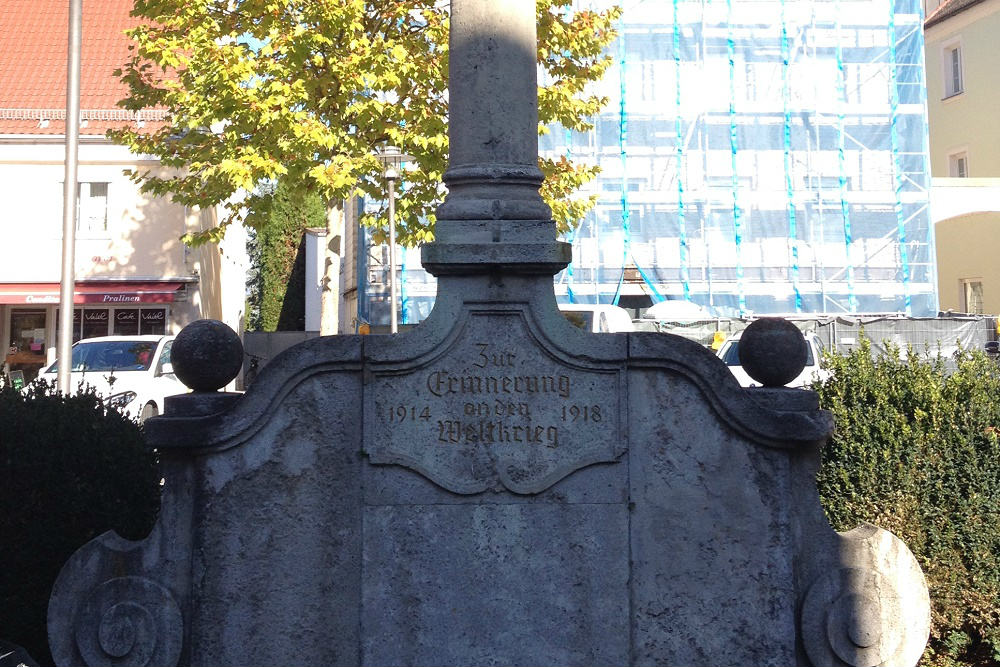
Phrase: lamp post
(391, 158)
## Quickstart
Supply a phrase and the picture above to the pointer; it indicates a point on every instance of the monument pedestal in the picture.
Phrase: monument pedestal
(497, 487)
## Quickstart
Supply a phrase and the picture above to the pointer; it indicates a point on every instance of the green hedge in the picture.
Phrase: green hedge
(71, 471)
(916, 451)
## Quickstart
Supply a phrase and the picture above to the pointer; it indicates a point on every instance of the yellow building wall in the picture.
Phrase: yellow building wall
(968, 248)
(969, 121)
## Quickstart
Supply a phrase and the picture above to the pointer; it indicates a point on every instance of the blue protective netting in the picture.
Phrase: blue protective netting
(759, 157)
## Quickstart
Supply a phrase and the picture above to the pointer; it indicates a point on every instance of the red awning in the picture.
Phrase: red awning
(106, 292)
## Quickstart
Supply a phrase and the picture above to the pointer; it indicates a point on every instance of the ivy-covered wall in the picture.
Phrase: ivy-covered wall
(277, 252)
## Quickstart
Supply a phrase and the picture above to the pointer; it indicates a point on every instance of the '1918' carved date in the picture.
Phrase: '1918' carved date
(583, 413)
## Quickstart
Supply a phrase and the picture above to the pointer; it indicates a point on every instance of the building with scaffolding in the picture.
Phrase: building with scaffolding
(756, 157)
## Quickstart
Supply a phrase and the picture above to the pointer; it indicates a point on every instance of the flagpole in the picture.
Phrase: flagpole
(65, 342)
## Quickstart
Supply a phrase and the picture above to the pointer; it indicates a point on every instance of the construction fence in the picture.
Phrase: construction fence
(924, 335)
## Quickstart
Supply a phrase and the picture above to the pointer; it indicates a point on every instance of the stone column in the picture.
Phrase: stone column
(493, 214)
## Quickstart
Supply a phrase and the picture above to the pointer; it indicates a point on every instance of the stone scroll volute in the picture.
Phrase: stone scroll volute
(870, 608)
(105, 610)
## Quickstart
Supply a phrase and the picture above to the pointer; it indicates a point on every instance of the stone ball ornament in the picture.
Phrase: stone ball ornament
(206, 355)
(129, 621)
(773, 351)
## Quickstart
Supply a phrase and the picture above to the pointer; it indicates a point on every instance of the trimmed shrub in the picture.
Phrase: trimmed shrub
(71, 471)
(917, 451)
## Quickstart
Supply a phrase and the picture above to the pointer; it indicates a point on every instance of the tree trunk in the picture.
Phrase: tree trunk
(330, 293)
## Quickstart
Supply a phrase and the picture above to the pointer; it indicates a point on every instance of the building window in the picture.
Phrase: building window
(973, 293)
(958, 165)
(95, 322)
(141, 321)
(152, 321)
(953, 80)
(92, 207)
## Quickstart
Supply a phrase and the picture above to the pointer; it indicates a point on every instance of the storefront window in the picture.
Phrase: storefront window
(77, 323)
(153, 321)
(26, 348)
(95, 322)
(126, 321)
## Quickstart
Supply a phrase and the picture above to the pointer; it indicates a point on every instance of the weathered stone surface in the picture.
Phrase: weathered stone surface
(207, 355)
(278, 568)
(773, 351)
(711, 536)
(286, 540)
(493, 169)
(115, 603)
(395, 485)
(543, 583)
(873, 609)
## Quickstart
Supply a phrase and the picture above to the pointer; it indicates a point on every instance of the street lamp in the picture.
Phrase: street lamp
(391, 157)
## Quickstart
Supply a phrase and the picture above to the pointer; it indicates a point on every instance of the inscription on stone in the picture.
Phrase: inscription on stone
(495, 410)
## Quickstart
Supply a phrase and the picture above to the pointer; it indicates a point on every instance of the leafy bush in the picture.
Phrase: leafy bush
(71, 471)
(917, 451)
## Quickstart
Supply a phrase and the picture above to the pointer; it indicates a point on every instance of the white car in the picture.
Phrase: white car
(730, 355)
(597, 317)
(130, 373)
(678, 310)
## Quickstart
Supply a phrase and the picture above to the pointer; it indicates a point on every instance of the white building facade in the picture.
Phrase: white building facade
(133, 274)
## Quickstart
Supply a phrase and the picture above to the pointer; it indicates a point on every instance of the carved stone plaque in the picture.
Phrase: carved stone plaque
(495, 409)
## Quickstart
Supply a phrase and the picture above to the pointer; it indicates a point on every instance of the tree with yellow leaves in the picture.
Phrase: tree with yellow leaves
(307, 91)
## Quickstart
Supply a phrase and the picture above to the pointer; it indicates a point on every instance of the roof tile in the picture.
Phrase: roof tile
(33, 64)
(947, 9)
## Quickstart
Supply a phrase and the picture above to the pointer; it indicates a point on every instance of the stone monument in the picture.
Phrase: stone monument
(495, 486)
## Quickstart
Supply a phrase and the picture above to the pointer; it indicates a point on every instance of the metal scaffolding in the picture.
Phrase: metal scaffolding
(756, 157)
(759, 157)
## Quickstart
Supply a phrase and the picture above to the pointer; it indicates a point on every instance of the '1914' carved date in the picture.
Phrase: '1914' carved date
(397, 414)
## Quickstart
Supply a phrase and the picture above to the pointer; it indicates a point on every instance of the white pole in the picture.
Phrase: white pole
(390, 176)
(69, 196)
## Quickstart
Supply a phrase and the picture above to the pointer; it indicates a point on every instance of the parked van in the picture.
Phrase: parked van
(597, 317)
